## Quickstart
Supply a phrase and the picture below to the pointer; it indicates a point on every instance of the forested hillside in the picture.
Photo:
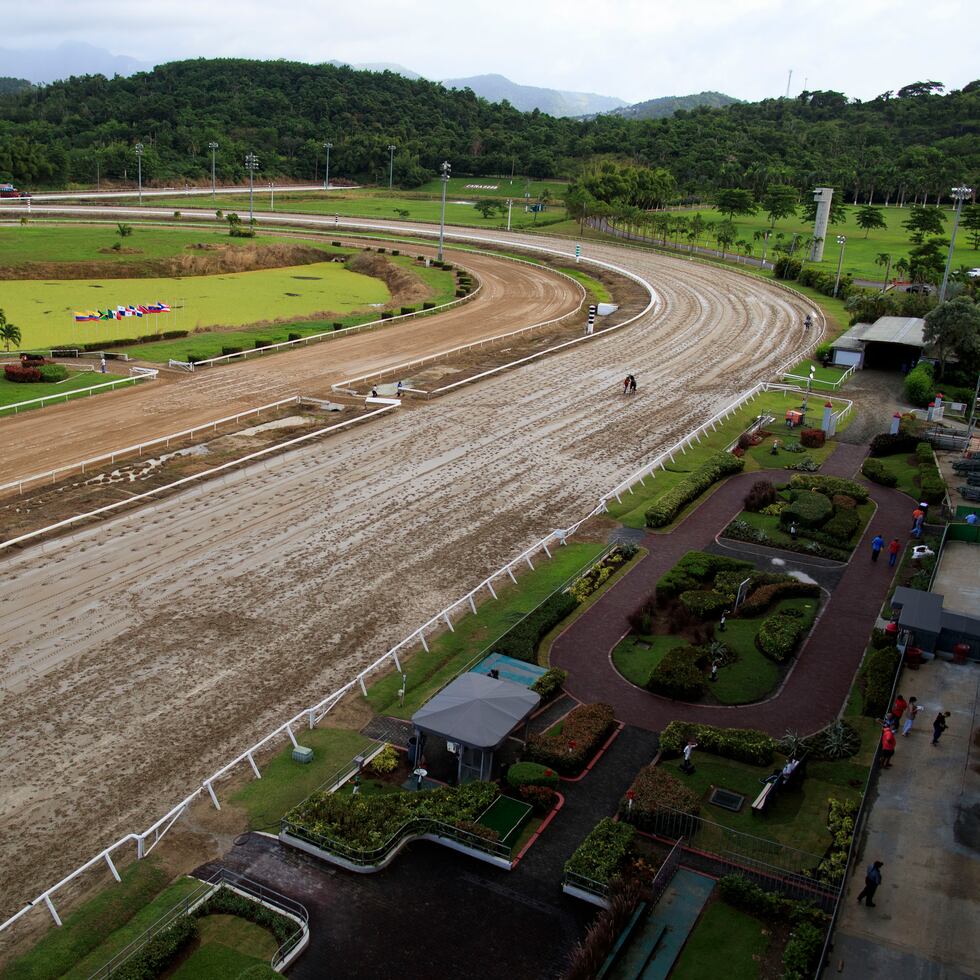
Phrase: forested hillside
(917, 139)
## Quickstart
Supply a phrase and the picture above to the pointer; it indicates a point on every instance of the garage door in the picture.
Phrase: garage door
(847, 358)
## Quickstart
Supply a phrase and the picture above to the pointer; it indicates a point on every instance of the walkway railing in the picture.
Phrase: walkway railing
(32, 403)
(664, 876)
(589, 885)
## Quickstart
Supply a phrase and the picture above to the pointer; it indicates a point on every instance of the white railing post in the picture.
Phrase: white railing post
(472, 603)
(490, 587)
(51, 909)
(251, 762)
(398, 666)
(421, 636)
(112, 867)
(360, 678)
(210, 789)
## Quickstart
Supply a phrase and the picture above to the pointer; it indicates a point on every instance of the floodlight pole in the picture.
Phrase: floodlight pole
(139, 169)
(213, 147)
(391, 165)
(251, 165)
(960, 194)
(326, 177)
(445, 168)
(842, 241)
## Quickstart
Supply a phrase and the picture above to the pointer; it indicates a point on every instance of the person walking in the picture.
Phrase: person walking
(877, 543)
(894, 547)
(887, 746)
(939, 726)
(721, 624)
(898, 709)
(686, 767)
(102, 364)
(632, 385)
(626, 385)
(714, 671)
(918, 515)
(792, 530)
(872, 879)
(910, 716)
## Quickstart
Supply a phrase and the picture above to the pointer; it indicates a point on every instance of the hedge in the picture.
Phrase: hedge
(583, 731)
(829, 485)
(779, 635)
(888, 444)
(679, 674)
(550, 683)
(878, 676)
(920, 385)
(764, 596)
(522, 639)
(705, 605)
(812, 438)
(691, 487)
(841, 527)
(695, 568)
(742, 744)
(531, 774)
(654, 788)
(601, 855)
(21, 375)
(807, 509)
(741, 893)
(743, 531)
(54, 372)
(159, 952)
(876, 473)
(227, 902)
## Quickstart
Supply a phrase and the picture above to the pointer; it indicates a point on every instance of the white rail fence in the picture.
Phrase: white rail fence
(33, 403)
(138, 448)
(832, 385)
(145, 842)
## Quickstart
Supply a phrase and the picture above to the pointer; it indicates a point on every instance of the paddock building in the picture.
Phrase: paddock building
(889, 343)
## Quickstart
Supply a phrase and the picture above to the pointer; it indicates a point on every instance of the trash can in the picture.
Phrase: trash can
(960, 652)
(913, 657)
(413, 748)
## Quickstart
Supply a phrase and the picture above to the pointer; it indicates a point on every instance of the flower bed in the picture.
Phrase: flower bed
(696, 568)
(840, 822)
(744, 744)
(603, 853)
(653, 789)
(550, 683)
(780, 634)
(583, 731)
(601, 571)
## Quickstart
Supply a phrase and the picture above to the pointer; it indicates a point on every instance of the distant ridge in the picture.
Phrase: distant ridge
(527, 98)
(667, 105)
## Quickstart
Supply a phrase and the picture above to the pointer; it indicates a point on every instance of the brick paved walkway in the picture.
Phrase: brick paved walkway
(816, 687)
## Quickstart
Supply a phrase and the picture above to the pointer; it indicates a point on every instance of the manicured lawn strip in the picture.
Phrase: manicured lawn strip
(761, 456)
(770, 524)
(237, 933)
(828, 374)
(636, 656)
(370, 787)
(796, 818)
(636, 502)
(450, 652)
(505, 816)
(217, 960)
(905, 469)
(285, 783)
(598, 290)
(12, 392)
(726, 943)
(103, 925)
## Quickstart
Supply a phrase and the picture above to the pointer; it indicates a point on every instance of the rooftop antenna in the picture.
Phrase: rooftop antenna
(788, 80)
(806, 78)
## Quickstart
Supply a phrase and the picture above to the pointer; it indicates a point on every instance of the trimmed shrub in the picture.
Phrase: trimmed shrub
(428, 306)
(705, 605)
(531, 774)
(550, 683)
(599, 573)
(779, 635)
(294, 336)
(261, 343)
(226, 902)
(932, 489)
(742, 744)
(691, 487)
(877, 678)
(787, 268)
(541, 798)
(407, 309)
(924, 452)
(53, 372)
(386, 315)
(679, 674)
(231, 350)
(653, 789)
(812, 438)
(808, 509)
(601, 855)
(763, 597)
(886, 444)
(841, 527)
(21, 375)
(160, 951)
(762, 494)
(337, 325)
(920, 385)
(830, 485)
(522, 639)
(696, 568)
(385, 761)
(876, 473)
(841, 501)
(582, 732)
(801, 952)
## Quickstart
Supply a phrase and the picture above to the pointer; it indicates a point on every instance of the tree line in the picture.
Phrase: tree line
(908, 146)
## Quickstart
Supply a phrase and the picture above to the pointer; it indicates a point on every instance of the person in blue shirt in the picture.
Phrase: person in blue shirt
(872, 879)
(877, 543)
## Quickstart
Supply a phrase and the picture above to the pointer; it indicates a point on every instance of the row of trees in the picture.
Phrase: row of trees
(911, 145)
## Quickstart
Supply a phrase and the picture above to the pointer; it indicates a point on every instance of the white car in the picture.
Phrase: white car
(973, 273)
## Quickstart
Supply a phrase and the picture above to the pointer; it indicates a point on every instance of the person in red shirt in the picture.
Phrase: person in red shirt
(887, 747)
(893, 549)
(898, 709)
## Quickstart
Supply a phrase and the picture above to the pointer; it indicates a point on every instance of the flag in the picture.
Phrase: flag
(85, 316)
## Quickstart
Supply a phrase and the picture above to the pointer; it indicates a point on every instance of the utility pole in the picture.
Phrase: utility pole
(251, 165)
(788, 80)
(326, 176)
(139, 169)
(445, 168)
(391, 165)
(842, 241)
(960, 194)
(213, 147)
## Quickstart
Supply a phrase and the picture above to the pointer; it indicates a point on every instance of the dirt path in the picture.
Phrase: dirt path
(513, 296)
(142, 654)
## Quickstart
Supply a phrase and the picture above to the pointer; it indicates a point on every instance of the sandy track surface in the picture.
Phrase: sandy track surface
(173, 637)
(513, 296)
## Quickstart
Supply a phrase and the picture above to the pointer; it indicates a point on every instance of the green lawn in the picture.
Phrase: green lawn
(770, 524)
(860, 251)
(12, 392)
(596, 288)
(450, 652)
(636, 502)
(725, 942)
(796, 818)
(761, 456)
(823, 377)
(285, 783)
(226, 950)
(905, 469)
(636, 656)
(95, 931)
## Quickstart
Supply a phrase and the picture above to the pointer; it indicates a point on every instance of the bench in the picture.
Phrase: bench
(760, 803)
(778, 781)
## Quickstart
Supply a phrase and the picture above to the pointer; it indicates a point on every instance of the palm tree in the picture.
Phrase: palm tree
(902, 267)
(883, 258)
(9, 332)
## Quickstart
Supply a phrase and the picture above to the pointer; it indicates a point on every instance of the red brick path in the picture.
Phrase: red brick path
(816, 687)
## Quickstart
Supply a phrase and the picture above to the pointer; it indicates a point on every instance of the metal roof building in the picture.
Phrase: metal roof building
(889, 342)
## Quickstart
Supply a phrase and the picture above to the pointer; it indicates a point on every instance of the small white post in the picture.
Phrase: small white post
(449, 622)
(140, 845)
(421, 636)
(54, 914)
(619, 499)
(112, 867)
(472, 603)
(360, 680)
(398, 666)
(251, 761)
(289, 730)
(214, 799)
(311, 717)
(490, 587)
(546, 551)
(511, 574)
(530, 564)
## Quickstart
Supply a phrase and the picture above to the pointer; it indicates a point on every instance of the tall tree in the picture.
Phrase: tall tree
(779, 202)
(954, 327)
(9, 332)
(970, 220)
(885, 259)
(735, 201)
(923, 221)
(869, 217)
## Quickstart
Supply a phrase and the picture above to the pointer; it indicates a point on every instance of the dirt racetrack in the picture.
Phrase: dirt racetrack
(142, 654)
(513, 296)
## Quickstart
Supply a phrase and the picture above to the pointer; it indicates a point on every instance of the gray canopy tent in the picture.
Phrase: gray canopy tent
(475, 713)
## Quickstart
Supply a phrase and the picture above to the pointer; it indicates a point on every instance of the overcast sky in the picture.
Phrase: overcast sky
(633, 49)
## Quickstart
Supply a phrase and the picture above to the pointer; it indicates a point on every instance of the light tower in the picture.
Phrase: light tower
(326, 176)
(823, 196)
(213, 147)
(139, 168)
(251, 165)
(960, 194)
(445, 167)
